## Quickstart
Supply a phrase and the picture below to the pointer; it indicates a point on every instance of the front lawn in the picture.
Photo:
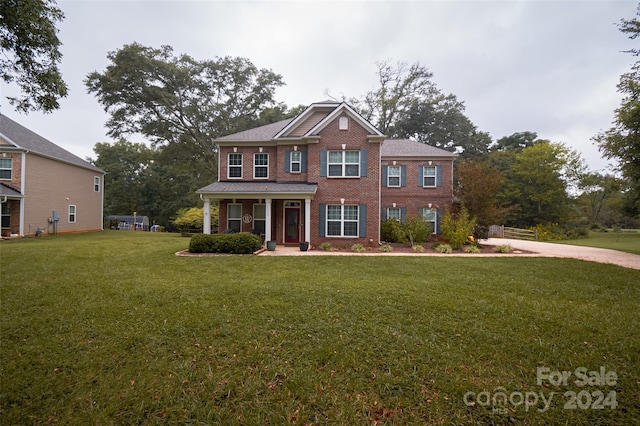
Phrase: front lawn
(627, 241)
(113, 328)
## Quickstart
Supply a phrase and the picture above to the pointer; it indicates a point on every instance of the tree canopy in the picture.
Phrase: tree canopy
(31, 53)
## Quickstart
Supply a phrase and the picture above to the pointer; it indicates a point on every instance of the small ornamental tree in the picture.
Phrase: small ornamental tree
(456, 230)
(191, 219)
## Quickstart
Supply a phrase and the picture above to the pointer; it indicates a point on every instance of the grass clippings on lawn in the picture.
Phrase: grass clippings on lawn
(113, 328)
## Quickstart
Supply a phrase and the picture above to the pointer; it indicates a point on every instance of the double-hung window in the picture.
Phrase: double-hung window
(393, 175)
(6, 216)
(260, 166)
(235, 165)
(96, 183)
(344, 163)
(394, 213)
(6, 168)
(72, 213)
(430, 215)
(429, 176)
(342, 220)
(296, 161)
(259, 218)
(234, 217)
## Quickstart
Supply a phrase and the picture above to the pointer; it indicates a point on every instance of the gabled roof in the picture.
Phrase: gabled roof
(411, 148)
(7, 191)
(308, 123)
(20, 137)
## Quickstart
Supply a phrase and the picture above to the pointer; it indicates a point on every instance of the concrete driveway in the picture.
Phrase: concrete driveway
(592, 254)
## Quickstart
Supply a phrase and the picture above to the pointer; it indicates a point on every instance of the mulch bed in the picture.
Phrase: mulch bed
(428, 249)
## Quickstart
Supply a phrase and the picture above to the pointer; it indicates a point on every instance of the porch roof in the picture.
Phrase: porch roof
(7, 191)
(274, 190)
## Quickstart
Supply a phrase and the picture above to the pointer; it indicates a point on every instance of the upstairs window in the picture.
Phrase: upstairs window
(343, 123)
(344, 163)
(260, 166)
(96, 183)
(72, 214)
(235, 165)
(6, 168)
(296, 161)
(393, 176)
(429, 176)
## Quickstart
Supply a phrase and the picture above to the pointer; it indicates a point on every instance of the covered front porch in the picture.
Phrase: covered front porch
(278, 212)
(11, 212)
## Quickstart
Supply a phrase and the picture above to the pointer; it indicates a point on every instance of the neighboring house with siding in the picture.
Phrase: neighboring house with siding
(44, 188)
(327, 175)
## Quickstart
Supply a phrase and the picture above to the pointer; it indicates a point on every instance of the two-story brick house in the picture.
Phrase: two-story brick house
(43, 187)
(327, 175)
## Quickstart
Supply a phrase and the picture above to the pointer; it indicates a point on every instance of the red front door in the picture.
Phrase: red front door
(292, 225)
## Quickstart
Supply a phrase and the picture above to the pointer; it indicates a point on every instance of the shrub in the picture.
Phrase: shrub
(457, 230)
(391, 231)
(471, 249)
(241, 243)
(326, 247)
(444, 248)
(416, 230)
(358, 248)
(503, 248)
(386, 248)
(418, 249)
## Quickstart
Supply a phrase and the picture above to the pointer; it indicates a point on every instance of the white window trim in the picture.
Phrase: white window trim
(342, 221)
(389, 176)
(343, 164)
(229, 165)
(435, 217)
(399, 218)
(343, 123)
(10, 168)
(74, 214)
(298, 161)
(96, 184)
(255, 155)
(434, 176)
(262, 219)
(239, 218)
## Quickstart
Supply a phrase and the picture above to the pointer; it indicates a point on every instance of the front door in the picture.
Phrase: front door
(292, 222)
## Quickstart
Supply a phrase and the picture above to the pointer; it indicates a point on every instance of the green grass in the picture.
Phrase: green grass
(623, 241)
(112, 328)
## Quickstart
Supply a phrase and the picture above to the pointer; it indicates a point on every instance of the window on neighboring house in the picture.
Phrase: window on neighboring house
(234, 217)
(344, 163)
(393, 176)
(429, 176)
(235, 165)
(259, 218)
(6, 216)
(260, 166)
(72, 214)
(430, 215)
(394, 213)
(296, 161)
(342, 220)
(96, 183)
(6, 168)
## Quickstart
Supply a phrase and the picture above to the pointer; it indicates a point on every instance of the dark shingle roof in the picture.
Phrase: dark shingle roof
(262, 133)
(21, 137)
(7, 191)
(411, 148)
(259, 187)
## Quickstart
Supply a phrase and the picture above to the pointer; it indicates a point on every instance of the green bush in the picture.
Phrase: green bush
(326, 247)
(471, 249)
(416, 230)
(358, 248)
(391, 232)
(456, 230)
(386, 248)
(191, 219)
(444, 248)
(418, 249)
(241, 243)
(503, 248)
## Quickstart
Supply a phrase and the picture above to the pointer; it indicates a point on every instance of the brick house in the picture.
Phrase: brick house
(327, 175)
(44, 188)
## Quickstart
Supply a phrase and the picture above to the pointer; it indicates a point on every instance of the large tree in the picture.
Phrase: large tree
(178, 100)
(622, 140)
(408, 104)
(31, 53)
(477, 187)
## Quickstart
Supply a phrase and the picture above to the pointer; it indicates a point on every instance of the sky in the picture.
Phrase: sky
(549, 67)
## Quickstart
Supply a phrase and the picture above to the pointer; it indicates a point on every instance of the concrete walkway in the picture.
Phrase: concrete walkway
(537, 249)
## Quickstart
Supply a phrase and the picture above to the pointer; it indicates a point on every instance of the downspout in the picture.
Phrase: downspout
(23, 174)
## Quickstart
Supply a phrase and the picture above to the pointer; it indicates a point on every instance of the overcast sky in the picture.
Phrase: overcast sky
(549, 67)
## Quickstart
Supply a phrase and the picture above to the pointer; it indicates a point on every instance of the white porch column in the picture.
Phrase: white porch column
(307, 220)
(267, 219)
(206, 223)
